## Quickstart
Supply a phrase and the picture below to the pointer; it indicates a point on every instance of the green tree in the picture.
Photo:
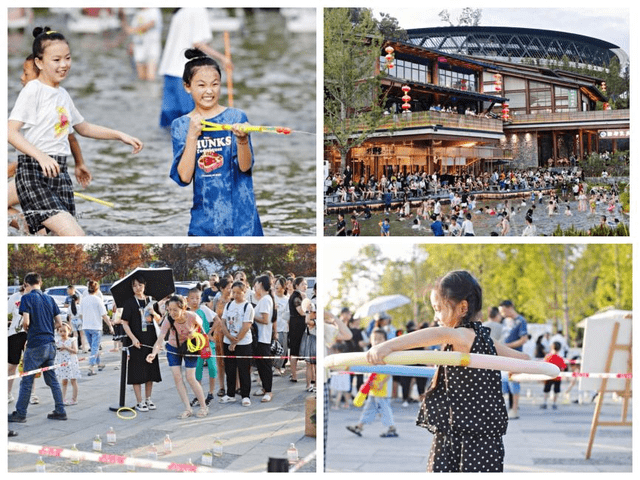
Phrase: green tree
(352, 109)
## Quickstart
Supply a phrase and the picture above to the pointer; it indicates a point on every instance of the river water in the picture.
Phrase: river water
(486, 224)
(274, 82)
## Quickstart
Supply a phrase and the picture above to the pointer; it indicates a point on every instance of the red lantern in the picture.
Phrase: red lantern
(406, 98)
(505, 111)
(389, 57)
(497, 82)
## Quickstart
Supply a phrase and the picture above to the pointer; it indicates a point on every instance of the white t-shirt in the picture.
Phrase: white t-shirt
(467, 227)
(143, 17)
(234, 316)
(188, 26)
(92, 309)
(265, 305)
(48, 113)
(282, 322)
(14, 305)
(208, 313)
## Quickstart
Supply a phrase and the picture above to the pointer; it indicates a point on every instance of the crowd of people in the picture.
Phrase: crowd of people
(450, 213)
(268, 325)
(419, 184)
(505, 326)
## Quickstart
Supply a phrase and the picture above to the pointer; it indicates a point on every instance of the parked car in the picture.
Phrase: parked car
(311, 281)
(182, 288)
(13, 289)
(59, 293)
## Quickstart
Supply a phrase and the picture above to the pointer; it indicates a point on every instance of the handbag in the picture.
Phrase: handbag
(277, 350)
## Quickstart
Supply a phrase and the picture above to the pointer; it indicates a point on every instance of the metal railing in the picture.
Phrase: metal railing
(596, 115)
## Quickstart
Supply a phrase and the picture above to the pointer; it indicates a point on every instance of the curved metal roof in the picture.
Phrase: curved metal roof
(514, 42)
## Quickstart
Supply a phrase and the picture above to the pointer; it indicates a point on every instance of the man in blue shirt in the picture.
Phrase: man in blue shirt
(40, 318)
(514, 335)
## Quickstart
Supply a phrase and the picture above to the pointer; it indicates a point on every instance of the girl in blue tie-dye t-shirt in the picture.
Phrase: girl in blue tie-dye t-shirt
(218, 162)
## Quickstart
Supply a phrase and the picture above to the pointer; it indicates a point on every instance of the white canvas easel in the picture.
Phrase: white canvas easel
(607, 348)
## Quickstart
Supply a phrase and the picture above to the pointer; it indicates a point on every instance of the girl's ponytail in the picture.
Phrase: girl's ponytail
(42, 36)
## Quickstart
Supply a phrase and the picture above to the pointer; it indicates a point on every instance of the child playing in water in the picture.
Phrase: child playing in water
(82, 173)
(218, 163)
(47, 113)
(463, 407)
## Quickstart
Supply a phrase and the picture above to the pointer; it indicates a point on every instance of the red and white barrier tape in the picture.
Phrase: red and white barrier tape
(110, 459)
(302, 462)
(273, 357)
(525, 377)
(595, 375)
(34, 372)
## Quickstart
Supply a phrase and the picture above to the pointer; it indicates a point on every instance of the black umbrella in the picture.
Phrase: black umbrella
(159, 284)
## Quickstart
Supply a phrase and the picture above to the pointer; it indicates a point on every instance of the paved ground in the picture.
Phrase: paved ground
(539, 441)
(250, 435)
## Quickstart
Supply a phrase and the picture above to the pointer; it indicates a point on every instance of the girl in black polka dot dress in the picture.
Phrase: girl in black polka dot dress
(463, 407)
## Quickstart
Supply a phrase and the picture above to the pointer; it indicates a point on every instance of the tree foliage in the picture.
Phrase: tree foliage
(469, 17)
(352, 46)
(62, 264)
(554, 284)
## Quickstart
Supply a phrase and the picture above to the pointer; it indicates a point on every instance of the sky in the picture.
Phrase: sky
(610, 24)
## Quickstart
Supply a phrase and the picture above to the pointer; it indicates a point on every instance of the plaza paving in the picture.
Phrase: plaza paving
(250, 435)
(540, 441)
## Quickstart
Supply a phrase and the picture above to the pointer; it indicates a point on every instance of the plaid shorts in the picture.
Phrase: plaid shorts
(42, 197)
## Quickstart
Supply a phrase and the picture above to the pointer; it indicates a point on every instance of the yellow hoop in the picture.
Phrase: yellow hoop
(135, 414)
(200, 342)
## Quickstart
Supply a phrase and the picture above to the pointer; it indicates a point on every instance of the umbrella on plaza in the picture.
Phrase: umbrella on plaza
(159, 284)
(381, 304)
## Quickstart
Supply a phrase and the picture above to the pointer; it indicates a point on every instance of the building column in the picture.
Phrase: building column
(580, 145)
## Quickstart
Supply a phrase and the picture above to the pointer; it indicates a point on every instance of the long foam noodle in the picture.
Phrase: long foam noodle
(456, 359)
(398, 370)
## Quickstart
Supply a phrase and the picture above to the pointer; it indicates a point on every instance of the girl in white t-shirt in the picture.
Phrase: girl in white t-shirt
(263, 318)
(38, 127)
(237, 318)
(281, 304)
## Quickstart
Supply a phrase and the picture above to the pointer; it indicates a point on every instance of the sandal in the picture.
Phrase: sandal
(184, 415)
(203, 412)
(291, 379)
(259, 393)
(221, 392)
(266, 398)
(355, 429)
(391, 433)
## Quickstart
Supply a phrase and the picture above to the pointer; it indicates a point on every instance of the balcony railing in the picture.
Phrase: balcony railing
(596, 115)
(441, 119)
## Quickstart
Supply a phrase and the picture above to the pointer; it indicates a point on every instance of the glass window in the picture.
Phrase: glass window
(516, 100)
(566, 99)
(406, 70)
(539, 95)
(458, 80)
(513, 83)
